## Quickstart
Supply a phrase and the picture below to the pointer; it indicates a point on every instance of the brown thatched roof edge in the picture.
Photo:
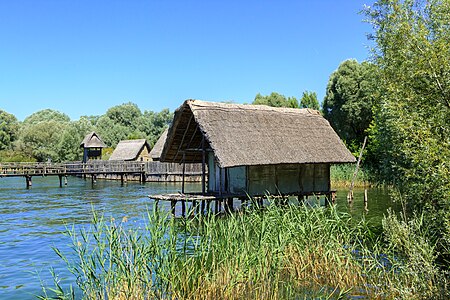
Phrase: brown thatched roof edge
(243, 135)
(129, 149)
(92, 140)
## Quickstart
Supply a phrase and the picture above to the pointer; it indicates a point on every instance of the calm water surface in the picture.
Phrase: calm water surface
(33, 220)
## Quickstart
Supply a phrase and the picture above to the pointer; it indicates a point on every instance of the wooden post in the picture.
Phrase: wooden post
(216, 210)
(60, 181)
(208, 206)
(65, 180)
(203, 166)
(183, 208)
(203, 206)
(184, 172)
(121, 179)
(28, 181)
(350, 192)
(365, 200)
(172, 205)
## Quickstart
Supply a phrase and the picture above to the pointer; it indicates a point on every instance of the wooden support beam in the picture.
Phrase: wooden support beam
(172, 206)
(203, 166)
(183, 208)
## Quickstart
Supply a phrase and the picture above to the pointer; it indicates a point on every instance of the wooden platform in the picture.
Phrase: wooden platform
(201, 203)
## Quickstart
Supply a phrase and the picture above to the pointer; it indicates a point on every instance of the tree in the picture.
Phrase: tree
(309, 100)
(46, 115)
(276, 100)
(9, 127)
(350, 97)
(412, 121)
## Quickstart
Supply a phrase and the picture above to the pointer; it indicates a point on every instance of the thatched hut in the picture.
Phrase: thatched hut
(255, 149)
(92, 145)
(132, 150)
(155, 154)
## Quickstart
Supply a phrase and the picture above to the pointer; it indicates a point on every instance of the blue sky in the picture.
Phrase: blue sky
(83, 57)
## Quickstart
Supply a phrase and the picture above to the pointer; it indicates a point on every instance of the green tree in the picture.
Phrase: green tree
(68, 148)
(309, 100)
(9, 128)
(46, 115)
(351, 93)
(412, 121)
(276, 100)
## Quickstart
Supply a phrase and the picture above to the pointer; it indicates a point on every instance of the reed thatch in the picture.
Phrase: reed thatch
(245, 135)
(92, 140)
(130, 149)
(155, 154)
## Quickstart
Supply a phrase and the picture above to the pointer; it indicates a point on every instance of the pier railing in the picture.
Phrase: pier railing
(97, 167)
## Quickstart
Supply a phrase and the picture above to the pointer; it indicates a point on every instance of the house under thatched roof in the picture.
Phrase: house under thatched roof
(253, 150)
(246, 135)
(92, 140)
(131, 150)
(155, 154)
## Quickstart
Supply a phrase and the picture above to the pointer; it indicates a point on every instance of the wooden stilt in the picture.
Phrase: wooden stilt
(184, 173)
(203, 207)
(183, 208)
(172, 205)
(365, 200)
(65, 180)
(208, 206)
(60, 180)
(28, 181)
(216, 209)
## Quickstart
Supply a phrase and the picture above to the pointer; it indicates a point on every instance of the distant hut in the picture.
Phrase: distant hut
(132, 150)
(155, 154)
(255, 149)
(92, 145)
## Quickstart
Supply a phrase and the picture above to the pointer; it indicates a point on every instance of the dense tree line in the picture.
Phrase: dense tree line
(51, 135)
(308, 100)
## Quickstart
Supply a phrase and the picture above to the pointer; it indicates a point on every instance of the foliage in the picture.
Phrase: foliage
(276, 100)
(126, 121)
(412, 120)
(281, 253)
(46, 115)
(49, 134)
(9, 126)
(309, 100)
(350, 96)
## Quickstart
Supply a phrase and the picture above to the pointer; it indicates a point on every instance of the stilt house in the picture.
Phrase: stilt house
(92, 145)
(155, 154)
(132, 150)
(254, 149)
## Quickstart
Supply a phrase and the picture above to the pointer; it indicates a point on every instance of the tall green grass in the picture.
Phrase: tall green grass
(342, 175)
(292, 252)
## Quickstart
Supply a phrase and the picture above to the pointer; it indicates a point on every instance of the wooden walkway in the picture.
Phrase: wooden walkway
(119, 169)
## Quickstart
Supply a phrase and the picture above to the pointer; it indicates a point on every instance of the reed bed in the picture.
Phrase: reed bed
(292, 252)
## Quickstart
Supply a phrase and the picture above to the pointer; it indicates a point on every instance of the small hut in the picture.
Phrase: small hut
(92, 145)
(255, 149)
(155, 154)
(132, 150)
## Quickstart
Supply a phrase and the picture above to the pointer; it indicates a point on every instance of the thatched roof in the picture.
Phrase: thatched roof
(159, 145)
(92, 140)
(129, 149)
(243, 135)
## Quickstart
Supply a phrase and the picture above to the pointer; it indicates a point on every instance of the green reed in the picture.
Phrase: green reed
(275, 253)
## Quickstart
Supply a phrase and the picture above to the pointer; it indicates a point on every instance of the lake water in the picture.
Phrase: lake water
(33, 220)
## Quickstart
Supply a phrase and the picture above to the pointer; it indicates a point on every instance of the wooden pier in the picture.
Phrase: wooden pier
(120, 170)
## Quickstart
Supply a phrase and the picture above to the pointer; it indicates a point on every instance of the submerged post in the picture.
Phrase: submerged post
(28, 181)
(350, 192)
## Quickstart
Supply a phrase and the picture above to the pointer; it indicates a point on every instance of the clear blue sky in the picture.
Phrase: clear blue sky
(82, 57)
